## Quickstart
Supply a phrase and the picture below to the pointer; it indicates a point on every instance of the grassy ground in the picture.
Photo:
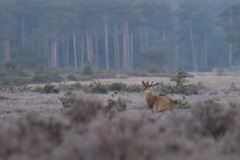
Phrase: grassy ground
(35, 125)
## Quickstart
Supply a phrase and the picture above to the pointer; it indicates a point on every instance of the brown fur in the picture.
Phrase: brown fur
(157, 103)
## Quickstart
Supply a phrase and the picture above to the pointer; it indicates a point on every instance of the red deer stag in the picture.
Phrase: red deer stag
(156, 103)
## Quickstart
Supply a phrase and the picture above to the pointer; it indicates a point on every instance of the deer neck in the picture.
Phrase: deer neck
(150, 99)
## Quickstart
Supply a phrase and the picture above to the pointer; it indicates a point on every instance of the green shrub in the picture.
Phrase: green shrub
(77, 85)
(165, 89)
(233, 87)
(49, 88)
(119, 104)
(182, 103)
(87, 69)
(96, 87)
(180, 86)
(11, 74)
(54, 75)
(71, 77)
(134, 88)
(68, 99)
(215, 119)
(117, 87)
(43, 75)
(83, 110)
(153, 70)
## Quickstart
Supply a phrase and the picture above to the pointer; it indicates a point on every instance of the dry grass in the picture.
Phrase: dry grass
(35, 126)
(210, 80)
(205, 128)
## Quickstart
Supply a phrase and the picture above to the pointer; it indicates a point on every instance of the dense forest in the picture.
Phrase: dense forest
(121, 34)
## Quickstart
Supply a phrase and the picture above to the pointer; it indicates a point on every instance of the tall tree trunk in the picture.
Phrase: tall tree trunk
(146, 36)
(6, 49)
(141, 39)
(63, 53)
(163, 34)
(96, 50)
(230, 45)
(194, 58)
(54, 51)
(1, 52)
(23, 31)
(230, 55)
(128, 46)
(75, 48)
(82, 52)
(89, 51)
(106, 40)
(202, 57)
(176, 39)
(79, 52)
(46, 50)
(38, 47)
(124, 46)
(67, 52)
(131, 51)
(116, 48)
(176, 50)
(205, 51)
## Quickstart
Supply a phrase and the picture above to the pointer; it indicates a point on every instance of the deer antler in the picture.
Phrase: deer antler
(146, 85)
(149, 85)
(154, 84)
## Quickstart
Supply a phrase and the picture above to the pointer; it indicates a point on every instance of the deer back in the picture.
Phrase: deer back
(162, 103)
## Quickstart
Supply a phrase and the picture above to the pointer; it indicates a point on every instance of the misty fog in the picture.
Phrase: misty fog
(121, 34)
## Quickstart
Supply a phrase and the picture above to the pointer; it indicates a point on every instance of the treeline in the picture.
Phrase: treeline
(120, 34)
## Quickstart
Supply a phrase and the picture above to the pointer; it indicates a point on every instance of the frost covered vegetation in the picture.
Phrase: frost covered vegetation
(112, 122)
(85, 131)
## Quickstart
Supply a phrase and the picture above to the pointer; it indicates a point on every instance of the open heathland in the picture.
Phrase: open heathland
(80, 124)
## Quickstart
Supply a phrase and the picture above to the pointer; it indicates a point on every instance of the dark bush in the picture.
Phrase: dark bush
(31, 137)
(153, 70)
(49, 88)
(68, 99)
(234, 88)
(117, 87)
(71, 77)
(11, 74)
(87, 69)
(215, 118)
(134, 88)
(182, 103)
(118, 104)
(76, 86)
(96, 87)
(83, 110)
(43, 75)
(181, 86)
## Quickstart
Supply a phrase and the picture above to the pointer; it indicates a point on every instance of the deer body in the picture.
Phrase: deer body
(157, 103)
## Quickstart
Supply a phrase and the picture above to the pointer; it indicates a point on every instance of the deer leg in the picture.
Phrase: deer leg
(154, 112)
(171, 108)
(161, 110)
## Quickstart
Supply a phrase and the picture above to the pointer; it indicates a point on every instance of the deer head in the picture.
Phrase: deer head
(148, 88)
